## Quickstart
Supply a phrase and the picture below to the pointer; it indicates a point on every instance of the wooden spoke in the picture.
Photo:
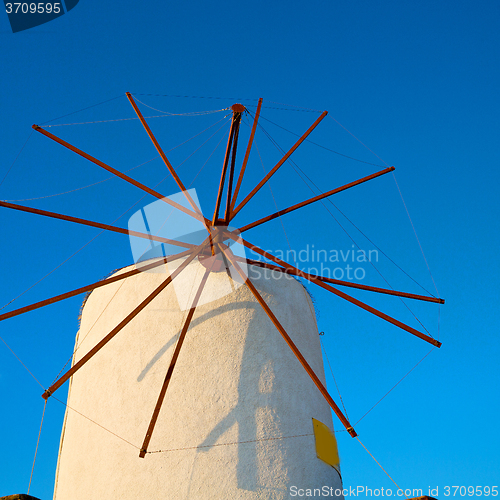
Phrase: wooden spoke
(171, 367)
(164, 158)
(231, 143)
(343, 295)
(316, 198)
(93, 286)
(122, 324)
(117, 173)
(231, 173)
(345, 283)
(278, 165)
(291, 344)
(86, 222)
(245, 160)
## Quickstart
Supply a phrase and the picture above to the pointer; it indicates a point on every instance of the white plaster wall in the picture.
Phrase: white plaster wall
(235, 380)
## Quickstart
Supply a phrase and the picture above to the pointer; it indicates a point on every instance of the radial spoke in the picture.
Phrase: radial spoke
(231, 172)
(86, 222)
(234, 126)
(343, 295)
(171, 367)
(316, 198)
(245, 160)
(118, 173)
(278, 165)
(291, 344)
(164, 158)
(344, 283)
(122, 324)
(93, 286)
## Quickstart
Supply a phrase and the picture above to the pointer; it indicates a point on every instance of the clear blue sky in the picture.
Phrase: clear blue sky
(417, 83)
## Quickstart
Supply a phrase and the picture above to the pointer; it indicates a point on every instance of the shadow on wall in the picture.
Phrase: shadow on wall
(255, 395)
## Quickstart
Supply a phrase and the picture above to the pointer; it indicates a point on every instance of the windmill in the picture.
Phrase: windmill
(216, 258)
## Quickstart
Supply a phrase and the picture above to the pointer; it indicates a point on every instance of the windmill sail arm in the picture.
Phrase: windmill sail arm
(343, 295)
(123, 323)
(165, 159)
(85, 222)
(119, 174)
(245, 160)
(92, 286)
(278, 165)
(291, 344)
(173, 361)
(315, 199)
(346, 283)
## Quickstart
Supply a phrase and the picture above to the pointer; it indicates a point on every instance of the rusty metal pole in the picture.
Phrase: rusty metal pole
(123, 323)
(164, 157)
(92, 286)
(350, 284)
(245, 160)
(237, 109)
(173, 361)
(99, 225)
(118, 173)
(315, 198)
(343, 295)
(279, 164)
(291, 344)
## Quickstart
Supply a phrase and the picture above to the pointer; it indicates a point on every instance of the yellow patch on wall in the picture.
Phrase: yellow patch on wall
(326, 444)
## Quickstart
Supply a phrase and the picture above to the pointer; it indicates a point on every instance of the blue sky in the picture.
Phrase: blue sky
(416, 83)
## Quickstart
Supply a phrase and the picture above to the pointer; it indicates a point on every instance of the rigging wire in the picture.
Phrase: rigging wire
(20, 361)
(37, 443)
(334, 379)
(402, 199)
(129, 170)
(83, 187)
(297, 169)
(398, 487)
(133, 118)
(301, 108)
(296, 265)
(290, 107)
(193, 113)
(416, 235)
(393, 387)
(321, 146)
(207, 160)
(53, 270)
(83, 109)
(90, 329)
(196, 97)
(96, 423)
(231, 444)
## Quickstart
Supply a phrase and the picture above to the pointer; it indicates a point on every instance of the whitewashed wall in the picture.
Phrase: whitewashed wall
(235, 380)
